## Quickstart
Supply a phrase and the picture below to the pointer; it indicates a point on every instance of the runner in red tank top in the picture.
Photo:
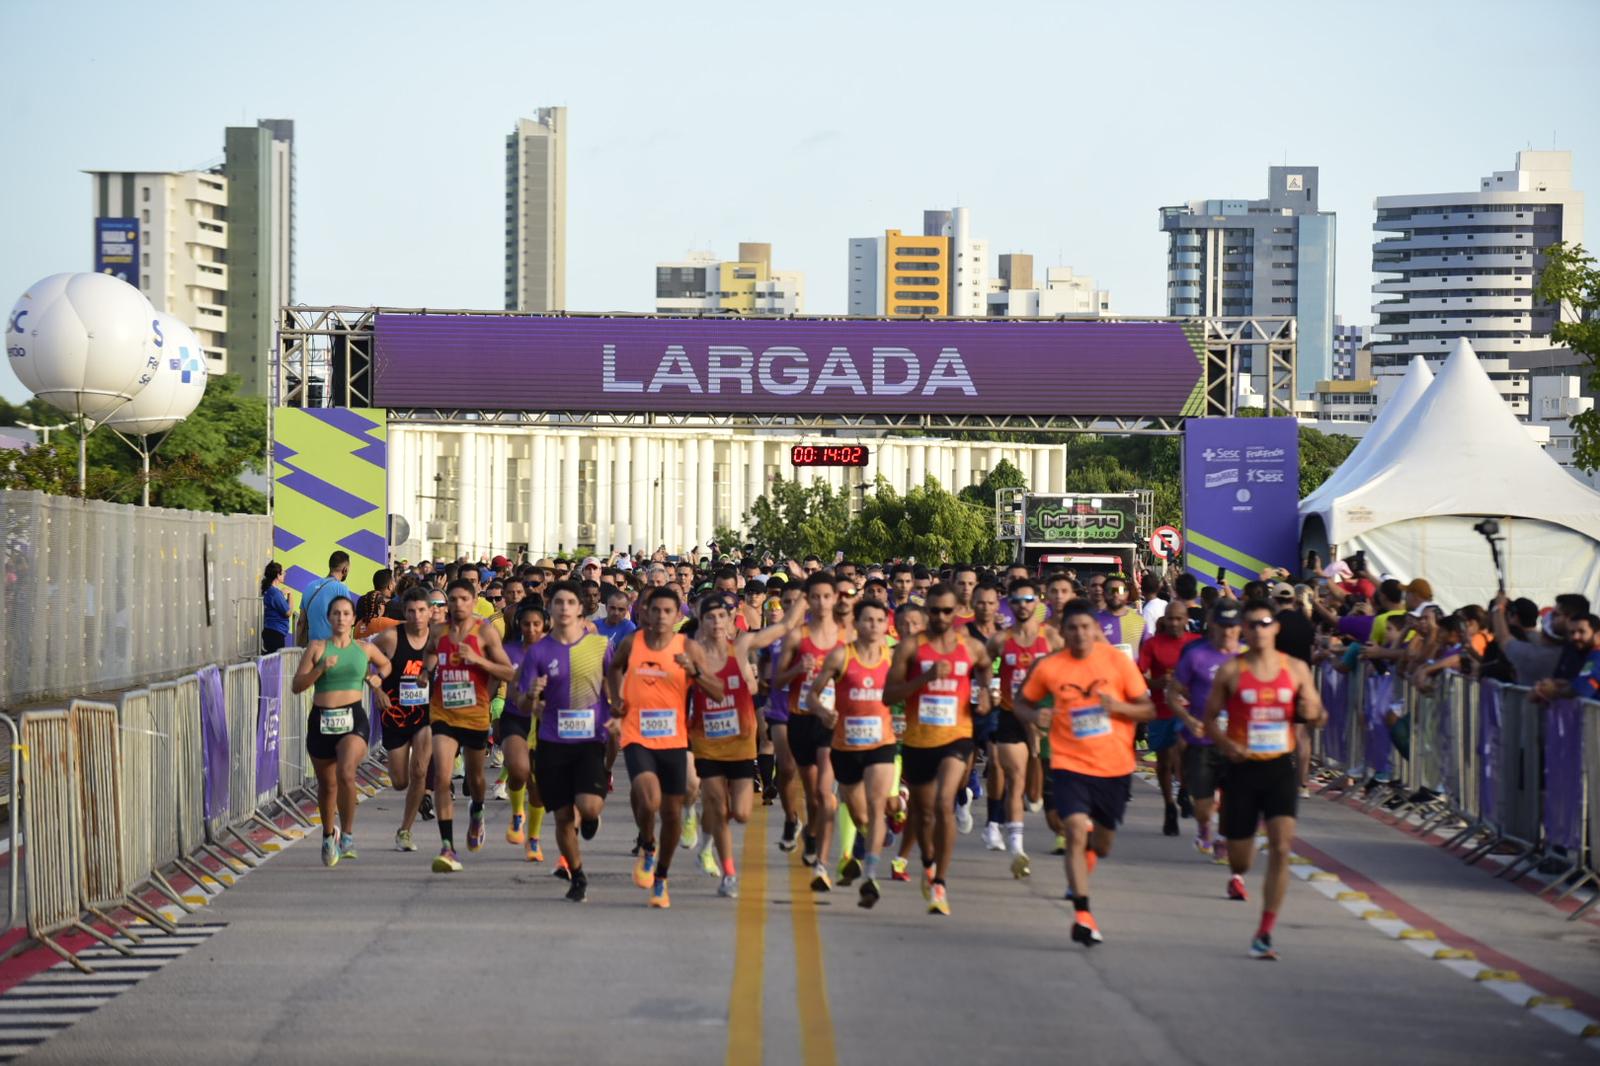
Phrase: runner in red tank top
(1016, 650)
(803, 654)
(1266, 693)
(863, 738)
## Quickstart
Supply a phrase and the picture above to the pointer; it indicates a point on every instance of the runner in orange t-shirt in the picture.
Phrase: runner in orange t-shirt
(1097, 695)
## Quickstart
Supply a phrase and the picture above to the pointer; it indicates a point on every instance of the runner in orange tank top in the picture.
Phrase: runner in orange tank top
(1266, 694)
(934, 675)
(863, 738)
(802, 656)
(652, 671)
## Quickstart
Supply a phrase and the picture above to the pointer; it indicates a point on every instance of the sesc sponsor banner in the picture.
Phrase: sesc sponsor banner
(786, 366)
(116, 248)
(1241, 497)
(1079, 519)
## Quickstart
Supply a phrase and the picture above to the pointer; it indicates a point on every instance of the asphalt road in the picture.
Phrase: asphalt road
(379, 960)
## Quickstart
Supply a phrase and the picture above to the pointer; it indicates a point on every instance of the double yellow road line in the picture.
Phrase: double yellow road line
(817, 1042)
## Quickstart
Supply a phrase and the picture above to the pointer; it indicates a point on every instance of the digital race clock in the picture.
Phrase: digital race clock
(828, 455)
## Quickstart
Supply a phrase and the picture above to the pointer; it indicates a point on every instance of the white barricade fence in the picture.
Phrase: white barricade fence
(50, 857)
(13, 774)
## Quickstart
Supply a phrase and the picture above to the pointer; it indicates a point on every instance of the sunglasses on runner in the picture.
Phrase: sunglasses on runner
(1024, 599)
(1262, 623)
(940, 610)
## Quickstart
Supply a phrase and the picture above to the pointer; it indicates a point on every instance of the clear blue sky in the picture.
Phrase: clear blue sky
(1063, 126)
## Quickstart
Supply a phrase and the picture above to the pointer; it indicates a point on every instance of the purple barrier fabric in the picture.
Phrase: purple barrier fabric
(1336, 698)
(271, 671)
(1380, 749)
(1563, 774)
(1489, 770)
(214, 740)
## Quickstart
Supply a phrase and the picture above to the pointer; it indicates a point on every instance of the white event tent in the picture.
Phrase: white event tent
(1455, 456)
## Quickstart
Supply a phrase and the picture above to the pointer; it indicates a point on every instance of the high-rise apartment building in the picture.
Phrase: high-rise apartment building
(536, 212)
(1347, 342)
(1266, 257)
(1465, 264)
(942, 271)
(259, 165)
(167, 234)
(704, 284)
(1013, 293)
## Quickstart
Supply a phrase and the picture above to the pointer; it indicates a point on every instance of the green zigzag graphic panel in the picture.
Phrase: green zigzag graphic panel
(330, 469)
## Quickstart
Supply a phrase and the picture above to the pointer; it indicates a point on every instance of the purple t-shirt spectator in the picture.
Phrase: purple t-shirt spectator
(1357, 627)
(1197, 668)
(575, 707)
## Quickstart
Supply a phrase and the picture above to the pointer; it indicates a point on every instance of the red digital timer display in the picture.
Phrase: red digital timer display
(828, 455)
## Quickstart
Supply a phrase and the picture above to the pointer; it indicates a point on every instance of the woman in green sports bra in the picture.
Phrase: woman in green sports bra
(336, 730)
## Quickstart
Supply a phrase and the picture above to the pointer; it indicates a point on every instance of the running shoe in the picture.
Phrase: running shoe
(477, 831)
(991, 837)
(517, 831)
(446, 862)
(964, 817)
(1305, 793)
(1033, 806)
(330, 850)
(897, 820)
(1060, 845)
(708, 860)
(1261, 947)
(869, 893)
(1219, 851)
(691, 830)
(1185, 804)
(588, 827)
(849, 870)
(426, 808)
(644, 871)
(658, 895)
(938, 901)
(1236, 888)
(1203, 845)
(975, 784)
(1020, 867)
(403, 841)
(347, 846)
(927, 882)
(611, 782)
(562, 870)
(898, 869)
(1085, 930)
(501, 791)
(786, 842)
(819, 878)
(728, 887)
(808, 849)
(1169, 824)
(578, 891)
(533, 852)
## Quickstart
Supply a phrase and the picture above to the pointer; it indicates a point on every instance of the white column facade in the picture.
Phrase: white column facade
(1041, 469)
(705, 517)
(621, 474)
(571, 449)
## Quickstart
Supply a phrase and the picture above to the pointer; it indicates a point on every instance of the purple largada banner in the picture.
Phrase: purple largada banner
(787, 366)
(1563, 774)
(267, 723)
(1489, 769)
(214, 740)
(1380, 748)
(1335, 698)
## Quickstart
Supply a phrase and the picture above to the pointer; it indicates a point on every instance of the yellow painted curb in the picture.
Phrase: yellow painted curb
(1323, 875)
(1590, 1030)
(199, 901)
(1498, 975)
(1418, 934)
(1378, 916)
(1549, 1001)
(1454, 953)
(269, 846)
(1299, 860)
(1351, 897)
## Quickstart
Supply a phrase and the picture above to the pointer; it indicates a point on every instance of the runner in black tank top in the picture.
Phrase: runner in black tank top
(406, 736)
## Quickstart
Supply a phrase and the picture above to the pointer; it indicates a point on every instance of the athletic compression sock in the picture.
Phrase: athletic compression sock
(1268, 920)
(475, 808)
(535, 822)
(845, 830)
(727, 867)
(997, 811)
(1014, 837)
(1081, 903)
(768, 765)
(869, 866)
(446, 830)
(519, 800)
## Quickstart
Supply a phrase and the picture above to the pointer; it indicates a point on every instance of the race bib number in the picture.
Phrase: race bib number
(720, 725)
(1269, 738)
(335, 721)
(897, 717)
(824, 700)
(575, 724)
(658, 724)
(456, 695)
(1222, 720)
(1090, 722)
(864, 731)
(413, 693)
(1126, 649)
(1016, 684)
(937, 710)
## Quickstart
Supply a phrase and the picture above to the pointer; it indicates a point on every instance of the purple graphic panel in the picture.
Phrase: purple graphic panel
(214, 740)
(1489, 770)
(271, 671)
(1563, 774)
(785, 366)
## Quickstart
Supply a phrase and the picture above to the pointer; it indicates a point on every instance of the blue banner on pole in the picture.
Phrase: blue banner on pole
(116, 248)
(1241, 498)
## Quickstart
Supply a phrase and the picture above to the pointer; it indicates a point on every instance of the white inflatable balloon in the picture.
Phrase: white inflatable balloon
(82, 342)
(177, 387)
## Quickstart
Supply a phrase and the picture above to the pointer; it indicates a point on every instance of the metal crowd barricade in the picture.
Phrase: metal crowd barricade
(242, 694)
(295, 773)
(190, 782)
(136, 722)
(103, 882)
(1591, 811)
(14, 749)
(162, 706)
(51, 858)
(278, 703)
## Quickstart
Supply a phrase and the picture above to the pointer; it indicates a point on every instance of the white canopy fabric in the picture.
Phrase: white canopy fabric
(1416, 381)
(1460, 453)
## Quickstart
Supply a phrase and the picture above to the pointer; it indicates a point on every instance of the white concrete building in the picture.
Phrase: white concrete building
(704, 284)
(182, 245)
(473, 488)
(1465, 264)
(969, 267)
(1063, 293)
(536, 212)
(1554, 399)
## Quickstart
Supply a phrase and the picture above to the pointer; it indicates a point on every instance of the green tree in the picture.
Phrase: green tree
(197, 467)
(1003, 476)
(928, 523)
(1320, 455)
(1572, 281)
(794, 519)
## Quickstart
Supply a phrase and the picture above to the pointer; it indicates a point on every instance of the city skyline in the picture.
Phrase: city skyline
(803, 163)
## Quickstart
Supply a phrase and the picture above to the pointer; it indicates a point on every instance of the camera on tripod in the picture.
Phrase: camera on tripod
(1488, 528)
